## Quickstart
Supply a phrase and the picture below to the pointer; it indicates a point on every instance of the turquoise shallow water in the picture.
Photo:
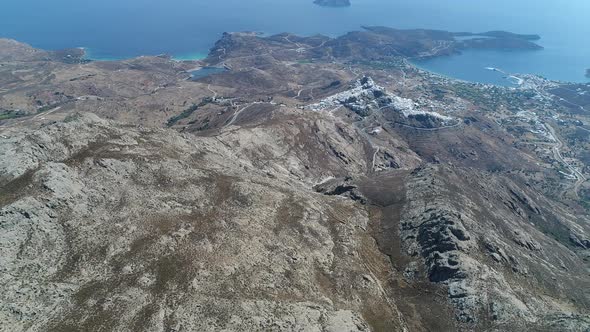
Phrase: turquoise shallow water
(115, 29)
(190, 56)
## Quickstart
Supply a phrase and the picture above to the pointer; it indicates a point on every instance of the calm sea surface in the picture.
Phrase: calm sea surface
(114, 29)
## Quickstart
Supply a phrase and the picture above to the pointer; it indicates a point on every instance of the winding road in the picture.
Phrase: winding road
(292, 42)
(40, 115)
(211, 90)
(238, 112)
(430, 129)
(580, 178)
(375, 157)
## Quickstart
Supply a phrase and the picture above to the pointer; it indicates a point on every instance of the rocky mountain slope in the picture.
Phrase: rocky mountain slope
(116, 228)
(303, 189)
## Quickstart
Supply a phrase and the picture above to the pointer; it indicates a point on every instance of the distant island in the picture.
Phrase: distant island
(333, 3)
(588, 73)
(498, 34)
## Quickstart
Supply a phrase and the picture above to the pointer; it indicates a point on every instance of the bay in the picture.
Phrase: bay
(187, 29)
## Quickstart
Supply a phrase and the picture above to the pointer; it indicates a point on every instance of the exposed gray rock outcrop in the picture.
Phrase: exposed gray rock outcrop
(450, 232)
(124, 228)
(342, 187)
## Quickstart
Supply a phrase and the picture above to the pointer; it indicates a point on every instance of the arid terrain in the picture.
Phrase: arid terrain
(306, 184)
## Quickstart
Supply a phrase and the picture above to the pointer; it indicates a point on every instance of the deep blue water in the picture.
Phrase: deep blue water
(113, 29)
(206, 71)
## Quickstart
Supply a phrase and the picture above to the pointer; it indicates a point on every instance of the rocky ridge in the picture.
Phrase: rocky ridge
(12, 50)
(453, 241)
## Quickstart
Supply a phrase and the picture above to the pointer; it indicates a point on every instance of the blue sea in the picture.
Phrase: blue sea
(186, 29)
